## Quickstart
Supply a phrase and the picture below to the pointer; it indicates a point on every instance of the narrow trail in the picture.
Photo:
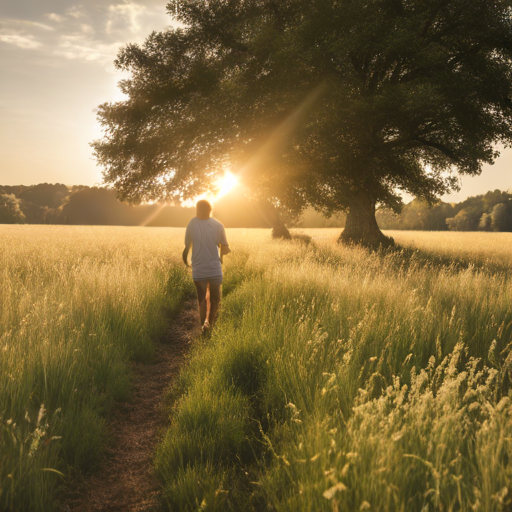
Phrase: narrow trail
(125, 482)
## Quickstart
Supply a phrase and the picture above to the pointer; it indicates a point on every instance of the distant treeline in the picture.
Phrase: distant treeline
(80, 205)
(59, 204)
(487, 212)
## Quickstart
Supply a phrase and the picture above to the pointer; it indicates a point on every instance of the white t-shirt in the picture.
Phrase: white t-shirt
(205, 235)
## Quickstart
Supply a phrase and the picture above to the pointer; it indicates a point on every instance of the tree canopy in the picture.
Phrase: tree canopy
(339, 105)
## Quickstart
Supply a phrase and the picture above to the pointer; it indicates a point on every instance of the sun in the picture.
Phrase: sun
(225, 184)
(221, 187)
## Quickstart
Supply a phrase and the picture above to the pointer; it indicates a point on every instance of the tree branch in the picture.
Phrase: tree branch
(440, 147)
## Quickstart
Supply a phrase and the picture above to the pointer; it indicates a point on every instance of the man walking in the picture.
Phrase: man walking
(205, 235)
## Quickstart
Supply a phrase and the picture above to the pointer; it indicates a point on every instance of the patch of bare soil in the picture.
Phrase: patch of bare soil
(125, 481)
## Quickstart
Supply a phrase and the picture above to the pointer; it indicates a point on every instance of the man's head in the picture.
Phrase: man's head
(203, 209)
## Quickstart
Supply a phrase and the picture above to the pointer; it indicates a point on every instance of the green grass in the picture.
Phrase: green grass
(343, 380)
(77, 305)
(337, 379)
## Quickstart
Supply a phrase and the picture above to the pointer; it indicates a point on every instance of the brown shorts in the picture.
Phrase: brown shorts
(213, 281)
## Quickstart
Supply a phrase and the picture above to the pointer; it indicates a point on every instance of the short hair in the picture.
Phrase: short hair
(204, 206)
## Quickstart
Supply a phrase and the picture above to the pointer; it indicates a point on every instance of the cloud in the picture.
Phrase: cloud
(92, 34)
(77, 11)
(23, 25)
(22, 33)
(55, 17)
(79, 47)
(87, 29)
(25, 42)
(124, 16)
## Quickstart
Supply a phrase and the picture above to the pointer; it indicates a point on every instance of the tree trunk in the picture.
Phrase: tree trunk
(271, 215)
(361, 227)
(281, 231)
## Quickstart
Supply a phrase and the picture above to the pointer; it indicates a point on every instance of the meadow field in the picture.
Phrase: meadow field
(77, 304)
(345, 380)
(336, 379)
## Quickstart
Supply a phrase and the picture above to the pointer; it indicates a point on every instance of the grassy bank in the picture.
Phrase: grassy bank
(342, 380)
(77, 305)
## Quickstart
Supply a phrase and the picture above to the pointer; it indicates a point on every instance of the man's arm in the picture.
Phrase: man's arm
(223, 243)
(188, 243)
(224, 249)
(185, 255)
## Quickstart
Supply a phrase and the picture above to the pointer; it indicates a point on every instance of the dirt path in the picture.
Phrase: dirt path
(125, 482)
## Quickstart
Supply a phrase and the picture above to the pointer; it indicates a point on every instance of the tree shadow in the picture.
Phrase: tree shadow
(302, 237)
(408, 257)
(404, 258)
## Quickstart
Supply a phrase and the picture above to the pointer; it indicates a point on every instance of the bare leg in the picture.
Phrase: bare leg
(214, 303)
(201, 287)
(208, 303)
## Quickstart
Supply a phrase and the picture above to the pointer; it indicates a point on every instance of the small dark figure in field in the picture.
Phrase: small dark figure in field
(205, 235)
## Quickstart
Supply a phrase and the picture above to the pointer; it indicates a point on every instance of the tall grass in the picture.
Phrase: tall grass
(76, 305)
(345, 380)
(337, 379)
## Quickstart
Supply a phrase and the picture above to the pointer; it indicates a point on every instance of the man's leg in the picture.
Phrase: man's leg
(208, 303)
(201, 287)
(214, 300)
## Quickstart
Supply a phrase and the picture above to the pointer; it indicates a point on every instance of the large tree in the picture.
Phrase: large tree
(336, 104)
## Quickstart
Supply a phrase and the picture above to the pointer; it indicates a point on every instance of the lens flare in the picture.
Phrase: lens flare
(225, 185)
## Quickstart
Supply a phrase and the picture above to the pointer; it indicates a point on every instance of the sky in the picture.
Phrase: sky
(56, 62)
